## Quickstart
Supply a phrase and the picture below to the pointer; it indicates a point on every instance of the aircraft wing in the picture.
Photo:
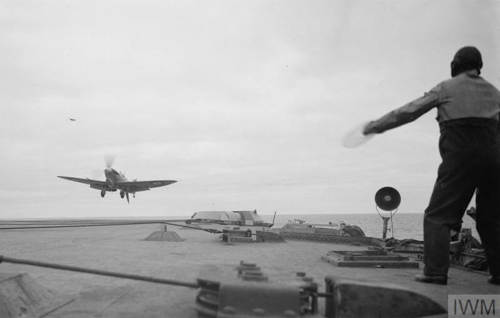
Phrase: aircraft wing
(86, 181)
(134, 186)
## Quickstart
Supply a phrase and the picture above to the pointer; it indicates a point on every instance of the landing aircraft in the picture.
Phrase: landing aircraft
(116, 181)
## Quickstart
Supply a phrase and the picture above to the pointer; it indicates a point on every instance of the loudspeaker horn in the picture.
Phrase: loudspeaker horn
(387, 198)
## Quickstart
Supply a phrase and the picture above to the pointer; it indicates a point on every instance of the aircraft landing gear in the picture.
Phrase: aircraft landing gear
(122, 194)
(103, 193)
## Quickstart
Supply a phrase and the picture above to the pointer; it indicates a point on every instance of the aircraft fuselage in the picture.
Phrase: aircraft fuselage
(113, 177)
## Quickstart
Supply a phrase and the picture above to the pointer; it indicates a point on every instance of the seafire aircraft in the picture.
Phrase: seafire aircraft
(116, 181)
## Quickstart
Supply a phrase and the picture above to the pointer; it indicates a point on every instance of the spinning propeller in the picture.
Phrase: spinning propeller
(109, 160)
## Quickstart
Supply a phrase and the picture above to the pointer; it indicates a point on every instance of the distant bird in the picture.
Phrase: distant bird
(72, 119)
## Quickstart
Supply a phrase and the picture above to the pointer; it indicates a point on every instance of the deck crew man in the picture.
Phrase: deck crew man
(468, 110)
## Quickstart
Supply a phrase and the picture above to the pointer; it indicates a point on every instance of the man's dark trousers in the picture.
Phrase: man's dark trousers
(470, 152)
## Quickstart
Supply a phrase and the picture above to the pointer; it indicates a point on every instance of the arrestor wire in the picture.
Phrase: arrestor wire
(26, 225)
(99, 272)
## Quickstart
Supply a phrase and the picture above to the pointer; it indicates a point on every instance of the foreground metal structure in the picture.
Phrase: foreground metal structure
(246, 291)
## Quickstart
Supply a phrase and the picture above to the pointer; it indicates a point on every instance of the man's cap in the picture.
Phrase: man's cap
(467, 58)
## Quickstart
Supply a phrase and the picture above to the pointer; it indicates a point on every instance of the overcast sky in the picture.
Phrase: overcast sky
(244, 102)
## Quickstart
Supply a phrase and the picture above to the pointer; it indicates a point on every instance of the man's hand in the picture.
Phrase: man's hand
(368, 129)
(358, 135)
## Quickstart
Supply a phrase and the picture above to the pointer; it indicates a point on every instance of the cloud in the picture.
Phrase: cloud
(244, 103)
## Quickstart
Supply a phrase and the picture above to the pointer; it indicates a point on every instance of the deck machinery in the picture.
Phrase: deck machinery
(245, 291)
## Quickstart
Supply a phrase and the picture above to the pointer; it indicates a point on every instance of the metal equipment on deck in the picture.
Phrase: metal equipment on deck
(370, 258)
(250, 235)
(331, 238)
(22, 296)
(354, 299)
(245, 291)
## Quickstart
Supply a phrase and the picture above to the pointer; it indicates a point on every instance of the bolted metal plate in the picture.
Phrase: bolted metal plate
(257, 300)
(244, 291)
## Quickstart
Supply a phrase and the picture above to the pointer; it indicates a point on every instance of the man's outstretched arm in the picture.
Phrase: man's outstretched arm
(403, 115)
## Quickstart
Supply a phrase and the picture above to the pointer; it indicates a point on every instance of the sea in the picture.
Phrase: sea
(404, 225)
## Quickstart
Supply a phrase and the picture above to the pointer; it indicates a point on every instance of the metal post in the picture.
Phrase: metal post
(385, 219)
